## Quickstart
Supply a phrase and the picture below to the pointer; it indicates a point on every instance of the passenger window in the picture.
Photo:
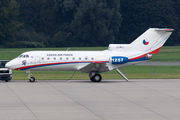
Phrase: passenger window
(73, 58)
(79, 58)
(85, 58)
(42, 58)
(92, 58)
(67, 58)
(48, 58)
(54, 58)
(60, 58)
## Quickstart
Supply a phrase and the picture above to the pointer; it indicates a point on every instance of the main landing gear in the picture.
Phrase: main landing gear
(95, 77)
(31, 79)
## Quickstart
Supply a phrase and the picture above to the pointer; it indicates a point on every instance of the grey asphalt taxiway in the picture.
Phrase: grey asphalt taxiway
(146, 99)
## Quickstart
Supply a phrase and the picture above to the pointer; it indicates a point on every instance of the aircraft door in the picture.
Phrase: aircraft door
(37, 61)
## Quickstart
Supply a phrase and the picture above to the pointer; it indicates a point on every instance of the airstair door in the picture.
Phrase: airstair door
(37, 61)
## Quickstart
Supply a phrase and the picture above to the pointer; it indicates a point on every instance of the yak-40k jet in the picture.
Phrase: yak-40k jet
(94, 62)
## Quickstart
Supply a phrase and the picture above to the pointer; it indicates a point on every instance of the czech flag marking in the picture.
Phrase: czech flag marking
(145, 42)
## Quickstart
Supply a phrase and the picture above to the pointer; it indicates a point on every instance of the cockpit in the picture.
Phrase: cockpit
(24, 56)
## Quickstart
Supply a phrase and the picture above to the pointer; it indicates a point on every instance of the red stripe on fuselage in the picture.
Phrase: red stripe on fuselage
(155, 51)
(138, 57)
(58, 63)
(152, 52)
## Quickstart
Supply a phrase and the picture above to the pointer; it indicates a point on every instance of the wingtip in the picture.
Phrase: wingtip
(169, 30)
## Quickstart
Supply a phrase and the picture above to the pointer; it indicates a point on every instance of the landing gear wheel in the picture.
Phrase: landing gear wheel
(7, 80)
(96, 78)
(32, 79)
(92, 80)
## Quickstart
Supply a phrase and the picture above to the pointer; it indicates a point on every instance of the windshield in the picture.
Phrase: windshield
(24, 56)
(3, 63)
(20, 56)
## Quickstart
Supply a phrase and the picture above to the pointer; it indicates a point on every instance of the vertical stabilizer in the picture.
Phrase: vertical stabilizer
(152, 40)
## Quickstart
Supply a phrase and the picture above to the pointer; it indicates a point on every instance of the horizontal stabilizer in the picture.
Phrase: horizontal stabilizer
(164, 29)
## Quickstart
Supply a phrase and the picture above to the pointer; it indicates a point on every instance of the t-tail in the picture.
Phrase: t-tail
(150, 41)
(141, 49)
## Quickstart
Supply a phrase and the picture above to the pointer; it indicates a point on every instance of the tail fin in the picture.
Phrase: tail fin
(152, 40)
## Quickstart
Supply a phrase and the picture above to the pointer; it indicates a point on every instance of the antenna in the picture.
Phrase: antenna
(68, 49)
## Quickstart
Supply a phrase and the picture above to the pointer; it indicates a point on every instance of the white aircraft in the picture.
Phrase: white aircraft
(94, 62)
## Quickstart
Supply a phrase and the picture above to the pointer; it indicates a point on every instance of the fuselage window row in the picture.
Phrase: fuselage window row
(48, 58)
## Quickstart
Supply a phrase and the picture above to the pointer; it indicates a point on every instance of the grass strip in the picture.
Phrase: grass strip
(131, 72)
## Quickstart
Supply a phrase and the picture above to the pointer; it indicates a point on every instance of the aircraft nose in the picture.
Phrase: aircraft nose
(11, 64)
(8, 65)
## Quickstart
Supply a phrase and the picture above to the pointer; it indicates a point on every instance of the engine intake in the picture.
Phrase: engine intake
(148, 56)
(118, 60)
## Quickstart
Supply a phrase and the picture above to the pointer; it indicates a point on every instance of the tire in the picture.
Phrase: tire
(32, 79)
(92, 80)
(7, 80)
(97, 78)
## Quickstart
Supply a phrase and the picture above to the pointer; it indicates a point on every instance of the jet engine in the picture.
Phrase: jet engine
(118, 60)
(148, 56)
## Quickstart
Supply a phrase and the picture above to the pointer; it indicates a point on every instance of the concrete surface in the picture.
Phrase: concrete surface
(150, 99)
(160, 63)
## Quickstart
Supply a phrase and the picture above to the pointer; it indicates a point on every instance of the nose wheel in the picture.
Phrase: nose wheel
(31, 79)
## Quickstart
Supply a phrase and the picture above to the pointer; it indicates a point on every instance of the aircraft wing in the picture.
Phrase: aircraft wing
(94, 66)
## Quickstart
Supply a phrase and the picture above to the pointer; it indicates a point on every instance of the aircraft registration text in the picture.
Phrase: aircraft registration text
(118, 60)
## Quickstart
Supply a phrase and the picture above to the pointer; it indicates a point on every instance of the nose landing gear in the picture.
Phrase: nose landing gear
(31, 79)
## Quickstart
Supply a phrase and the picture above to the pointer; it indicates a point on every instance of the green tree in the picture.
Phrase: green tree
(39, 22)
(38, 16)
(177, 30)
(139, 15)
(8, 22)
(94, 23)
(62, 39)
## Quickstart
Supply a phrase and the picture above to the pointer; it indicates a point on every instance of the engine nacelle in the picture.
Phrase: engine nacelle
(148, 56)
(118, 60)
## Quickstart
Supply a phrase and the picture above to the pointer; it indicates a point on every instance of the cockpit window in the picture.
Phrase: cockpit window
(20, 56)
(24, 56)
